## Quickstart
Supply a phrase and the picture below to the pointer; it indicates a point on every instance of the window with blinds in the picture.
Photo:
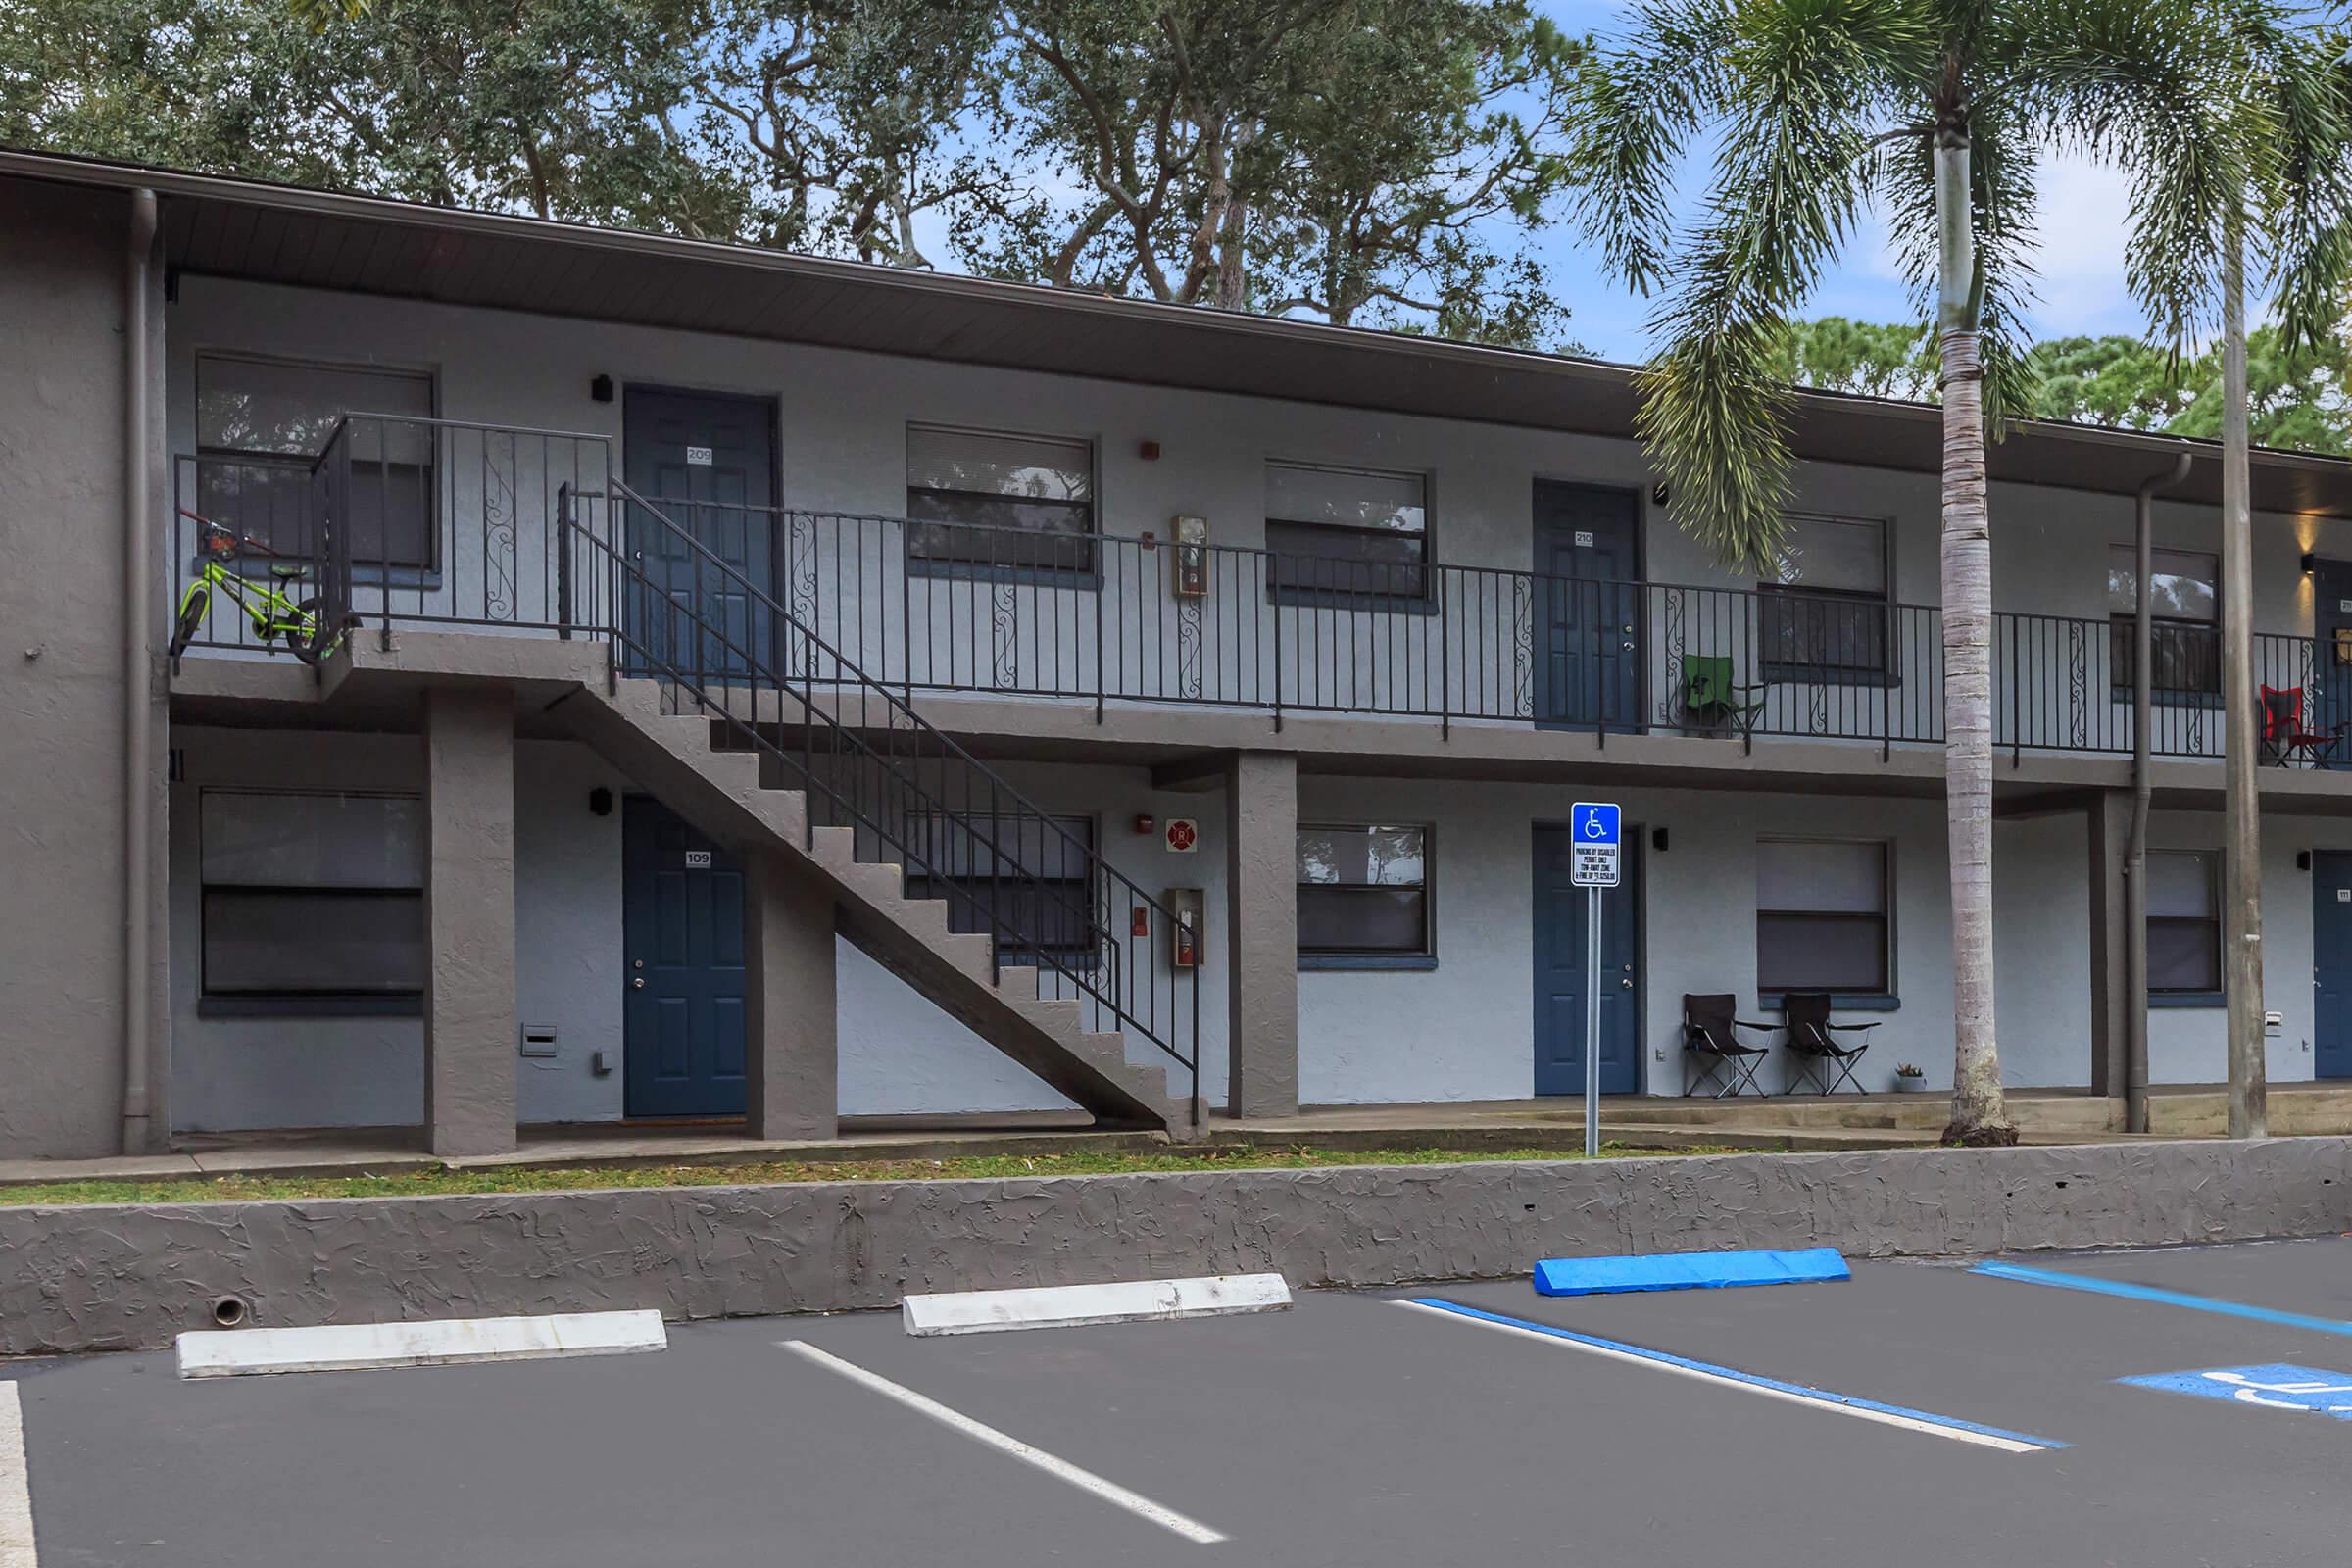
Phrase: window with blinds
(307, 895)
(985, 499)
(1821, 917)
(1351, 531)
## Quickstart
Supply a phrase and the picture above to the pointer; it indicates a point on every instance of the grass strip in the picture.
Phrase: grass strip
(431, 1182)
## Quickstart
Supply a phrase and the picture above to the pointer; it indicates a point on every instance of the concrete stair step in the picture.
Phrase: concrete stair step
(678, 752)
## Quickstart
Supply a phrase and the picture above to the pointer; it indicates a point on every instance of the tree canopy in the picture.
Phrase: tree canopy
(1376, 162)
(2300, 401)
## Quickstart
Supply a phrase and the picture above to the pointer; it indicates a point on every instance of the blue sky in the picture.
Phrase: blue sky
(2081, 266)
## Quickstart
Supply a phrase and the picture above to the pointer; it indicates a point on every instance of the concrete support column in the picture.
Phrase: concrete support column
(469, 1038)
(792, 1059)
(2108, 824)
(1262, 933)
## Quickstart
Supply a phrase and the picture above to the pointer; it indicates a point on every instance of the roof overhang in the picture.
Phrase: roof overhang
(251, 230)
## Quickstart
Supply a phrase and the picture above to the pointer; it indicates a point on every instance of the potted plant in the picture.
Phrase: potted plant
(1908, 1078)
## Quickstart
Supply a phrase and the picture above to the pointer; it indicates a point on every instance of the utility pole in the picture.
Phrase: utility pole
(2242, 898)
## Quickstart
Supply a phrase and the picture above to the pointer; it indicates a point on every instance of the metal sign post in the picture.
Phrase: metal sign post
(1594, 858)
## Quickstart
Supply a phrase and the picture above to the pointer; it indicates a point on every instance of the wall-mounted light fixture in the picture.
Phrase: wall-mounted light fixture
(600, 802)
(2308, 561)
(601, 389)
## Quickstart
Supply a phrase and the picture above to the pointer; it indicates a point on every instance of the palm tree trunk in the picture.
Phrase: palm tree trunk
(1979, 1115)
(2241, 907)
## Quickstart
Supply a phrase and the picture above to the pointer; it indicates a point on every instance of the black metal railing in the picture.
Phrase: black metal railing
(680, 612)
(398, 519)
(402, 521)
(972, 608)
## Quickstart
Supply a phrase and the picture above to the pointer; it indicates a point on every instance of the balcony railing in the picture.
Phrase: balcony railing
(402, 521)
(445, 522)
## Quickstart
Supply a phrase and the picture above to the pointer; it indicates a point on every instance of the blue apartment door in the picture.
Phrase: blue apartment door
(1588, 608)
(682, 1017)
(707, 464)
(2331, 963)
(1560, 940)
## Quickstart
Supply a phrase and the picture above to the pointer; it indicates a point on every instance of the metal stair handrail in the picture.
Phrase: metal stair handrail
(899, 774)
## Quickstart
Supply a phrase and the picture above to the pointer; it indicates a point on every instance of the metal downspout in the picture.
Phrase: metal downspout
(2135, 853)
(137, 674)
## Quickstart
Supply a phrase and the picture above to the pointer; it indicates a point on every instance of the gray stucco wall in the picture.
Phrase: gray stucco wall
(842, 431)
(62, 696)
(900, 1055)
(123, 1278)
(1462, 1031)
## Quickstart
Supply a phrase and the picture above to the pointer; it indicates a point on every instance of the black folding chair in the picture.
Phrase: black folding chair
(1712, 1048)
(1814, 1046)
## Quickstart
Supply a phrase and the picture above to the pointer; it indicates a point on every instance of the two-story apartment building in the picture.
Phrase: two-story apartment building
(634, 679)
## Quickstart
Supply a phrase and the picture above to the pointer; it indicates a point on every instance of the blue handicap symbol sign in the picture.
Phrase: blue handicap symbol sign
(2276, 1387)
(1593, 822)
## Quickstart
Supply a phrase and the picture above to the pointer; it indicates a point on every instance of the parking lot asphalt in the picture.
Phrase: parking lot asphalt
(1347, 1431)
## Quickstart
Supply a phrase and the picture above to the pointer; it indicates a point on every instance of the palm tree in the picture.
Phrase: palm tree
(1933, 111)
(2280, 95)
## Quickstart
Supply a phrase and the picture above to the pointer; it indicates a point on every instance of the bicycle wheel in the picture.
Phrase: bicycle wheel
(302, 644)
(191, 616)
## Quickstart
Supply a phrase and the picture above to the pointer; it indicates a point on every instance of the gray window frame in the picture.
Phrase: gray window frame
(1423, 957)
(1084, 569)
(299, 1002)
(2191, 996)
(1368, 597)
(1775, 601)
(1769, 993)
(427, 565)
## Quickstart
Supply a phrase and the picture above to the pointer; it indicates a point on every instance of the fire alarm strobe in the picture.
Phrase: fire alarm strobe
(1184, 835)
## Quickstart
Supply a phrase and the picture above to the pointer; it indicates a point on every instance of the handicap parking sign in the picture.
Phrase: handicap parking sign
(2275, 1387)
(1592, 833)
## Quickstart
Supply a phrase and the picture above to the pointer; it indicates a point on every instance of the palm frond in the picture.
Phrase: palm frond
(1632, 114)
(2150, 84)
(1812, 81)
(2304, 238)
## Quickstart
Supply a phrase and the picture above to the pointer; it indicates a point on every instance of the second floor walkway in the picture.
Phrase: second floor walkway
(456, 524)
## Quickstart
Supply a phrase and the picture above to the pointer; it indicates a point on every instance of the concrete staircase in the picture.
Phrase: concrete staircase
(699, 767)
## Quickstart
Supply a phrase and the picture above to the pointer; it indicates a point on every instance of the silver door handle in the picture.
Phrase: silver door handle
(638, 984)
(1628, 984)
(1628, 646)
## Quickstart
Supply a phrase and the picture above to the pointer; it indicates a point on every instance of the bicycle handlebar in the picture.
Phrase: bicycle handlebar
(238, 541)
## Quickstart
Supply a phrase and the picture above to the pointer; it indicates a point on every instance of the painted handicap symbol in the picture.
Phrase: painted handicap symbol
(2272, 1387)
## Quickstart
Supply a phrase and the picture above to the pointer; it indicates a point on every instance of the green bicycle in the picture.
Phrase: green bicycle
(275, 618)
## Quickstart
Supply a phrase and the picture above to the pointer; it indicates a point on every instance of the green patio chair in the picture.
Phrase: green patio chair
(1714, 699)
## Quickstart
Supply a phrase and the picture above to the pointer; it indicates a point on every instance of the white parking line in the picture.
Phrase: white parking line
(1892, 1415)
(1110, 1492)
(16, 1549)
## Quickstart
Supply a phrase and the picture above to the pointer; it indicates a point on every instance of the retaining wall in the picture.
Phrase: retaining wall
(131, 1277)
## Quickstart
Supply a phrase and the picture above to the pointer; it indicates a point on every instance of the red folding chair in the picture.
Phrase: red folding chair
(2284, 737)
